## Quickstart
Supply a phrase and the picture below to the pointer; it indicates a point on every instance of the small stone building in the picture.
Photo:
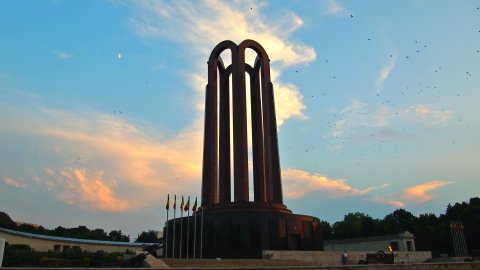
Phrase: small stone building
(44, 243)
(399, 242)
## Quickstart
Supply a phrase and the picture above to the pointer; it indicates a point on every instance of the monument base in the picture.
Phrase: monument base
(242, 233)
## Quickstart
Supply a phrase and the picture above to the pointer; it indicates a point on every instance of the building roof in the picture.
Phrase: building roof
(73, 240)
(404, 235)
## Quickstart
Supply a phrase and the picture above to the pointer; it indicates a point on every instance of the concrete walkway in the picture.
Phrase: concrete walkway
(232, 264)
(153, 262)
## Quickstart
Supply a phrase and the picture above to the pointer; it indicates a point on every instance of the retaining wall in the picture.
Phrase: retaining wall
(335, 257)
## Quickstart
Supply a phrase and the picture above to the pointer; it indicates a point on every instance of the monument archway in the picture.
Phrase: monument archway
(233, 226)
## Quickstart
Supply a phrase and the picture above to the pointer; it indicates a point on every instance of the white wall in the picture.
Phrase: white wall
(2, 249)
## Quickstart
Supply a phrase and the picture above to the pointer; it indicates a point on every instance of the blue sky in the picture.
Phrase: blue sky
(101, 105)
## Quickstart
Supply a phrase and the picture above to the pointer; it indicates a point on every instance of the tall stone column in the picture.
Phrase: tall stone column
(209, 175)
(257, 136)
(224, 140)
(276, 173)
(240, 154)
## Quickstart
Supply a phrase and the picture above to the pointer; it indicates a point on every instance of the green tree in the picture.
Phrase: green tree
(357, 225)
(326, 230)
(147, 237)
(399, 221)
(469, 215)
(6, 221)
(61, 231)
(118, 236)
(425, 231)
(98, 234)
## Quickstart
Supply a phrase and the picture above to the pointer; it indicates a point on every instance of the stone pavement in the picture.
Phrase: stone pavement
(239, 264)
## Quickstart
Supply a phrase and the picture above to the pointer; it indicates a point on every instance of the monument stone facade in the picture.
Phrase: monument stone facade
(235, 227)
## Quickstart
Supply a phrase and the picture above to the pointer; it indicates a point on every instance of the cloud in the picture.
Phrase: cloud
(349, 116)
(200, 26)
(427, 115)
(63, 55)
(298, 183)
(91, 191)
(288, 103)
(392, 202)
(382, 120)
(101, 162)
(418, 193)
(385, 72)
(9, 181)
(334, 7)
(382, 117)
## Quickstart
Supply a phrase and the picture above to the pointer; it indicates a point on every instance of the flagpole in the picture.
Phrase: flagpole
(188, 225)
(181, 227)
(166, 235)
(174, 223)
(195, 228)
(201, 237)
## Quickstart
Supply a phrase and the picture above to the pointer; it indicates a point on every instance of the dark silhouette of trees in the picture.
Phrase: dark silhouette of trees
(147, 237)
(357, 225)
(469, 215)
(431, 232)
(6, 221)
(80, 232)
(326, 230)
(399, 221)
(118, 236)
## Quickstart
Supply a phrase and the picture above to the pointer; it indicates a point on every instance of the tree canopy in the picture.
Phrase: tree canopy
(80, 232)
(147, 237)
(431, 232)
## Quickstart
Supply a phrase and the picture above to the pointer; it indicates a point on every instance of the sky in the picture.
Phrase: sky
(102, 105)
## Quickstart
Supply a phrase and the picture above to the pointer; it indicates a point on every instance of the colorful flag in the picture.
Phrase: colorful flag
(175, 202)
(181, 205)
(194, 208)
(168, 202)
(187, 206)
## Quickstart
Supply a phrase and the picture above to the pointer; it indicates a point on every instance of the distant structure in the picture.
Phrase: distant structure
(398, 242)
(237, 227)
(45, 243)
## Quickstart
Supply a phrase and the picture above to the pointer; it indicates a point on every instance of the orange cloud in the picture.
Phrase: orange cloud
(116, 161)
(9, 181)
(297, 183)
(418, 193)
(93, 192)
(144, 158)
(392, 202)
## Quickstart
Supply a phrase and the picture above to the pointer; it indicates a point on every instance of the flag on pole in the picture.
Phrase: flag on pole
(181, 228)
(194, 208)
(166, 235)
(187, 208)
(187, 205)
(174, 225)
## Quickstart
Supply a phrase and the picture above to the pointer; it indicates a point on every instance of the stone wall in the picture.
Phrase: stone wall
(331, 258)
